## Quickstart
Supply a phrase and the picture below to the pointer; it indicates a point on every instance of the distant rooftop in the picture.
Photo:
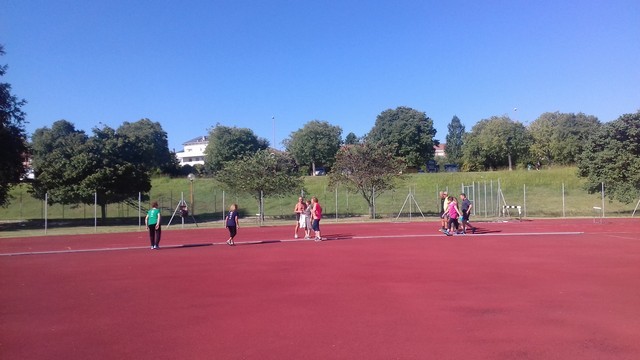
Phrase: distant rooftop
(196, 141)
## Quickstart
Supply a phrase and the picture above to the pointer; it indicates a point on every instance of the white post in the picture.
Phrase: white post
(491, 197)
(498, 200)
(223, 206)
(410, 204)
(485, 199)
(336, 204)
(347, 195)
(139, 210)
(474, 196)
(602, 199)
(46, 205)
(524, 199)
(182, 204)
(95, 211)
(563, 212)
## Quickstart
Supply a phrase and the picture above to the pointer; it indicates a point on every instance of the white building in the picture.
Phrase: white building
(440, 150)
(193, 152)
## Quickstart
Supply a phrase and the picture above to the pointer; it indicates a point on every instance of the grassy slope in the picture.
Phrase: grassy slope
(543, 197)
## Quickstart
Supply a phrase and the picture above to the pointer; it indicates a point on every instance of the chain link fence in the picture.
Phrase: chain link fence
(207, 204)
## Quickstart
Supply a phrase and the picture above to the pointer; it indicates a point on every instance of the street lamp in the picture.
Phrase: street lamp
(191, 177)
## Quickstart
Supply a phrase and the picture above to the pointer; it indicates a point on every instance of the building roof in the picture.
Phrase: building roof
(198, 140)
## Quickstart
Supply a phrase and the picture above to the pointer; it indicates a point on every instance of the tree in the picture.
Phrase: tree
(60, 163)
(368, 168)
(494, 143)
(454, 140)
(316, 143)
(612, 155)
(152, 139)
(558, 138)
(262, 174)
(408, 131)
(71, 167)
(230, 143)
(351, 139)
(13, 139)
(117, 172)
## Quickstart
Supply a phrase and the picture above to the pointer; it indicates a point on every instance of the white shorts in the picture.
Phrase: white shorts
(303, 221)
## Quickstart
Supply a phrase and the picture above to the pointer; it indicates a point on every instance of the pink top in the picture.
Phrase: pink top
(453, 210)
(317, 211)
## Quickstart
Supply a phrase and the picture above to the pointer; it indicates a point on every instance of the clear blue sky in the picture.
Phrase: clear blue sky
(194, 63)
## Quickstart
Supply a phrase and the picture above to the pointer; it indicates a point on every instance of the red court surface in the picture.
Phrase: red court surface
(541, 289)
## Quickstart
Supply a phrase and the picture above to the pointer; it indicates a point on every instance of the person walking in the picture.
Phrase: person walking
(231, 223)
(454, 213)
(307, 220)
(298, 210)
(465, 208)
(316, 216)
(152, 222)
(444, 207)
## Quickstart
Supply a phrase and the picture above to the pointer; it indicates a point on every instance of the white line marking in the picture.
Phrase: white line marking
(257, 242)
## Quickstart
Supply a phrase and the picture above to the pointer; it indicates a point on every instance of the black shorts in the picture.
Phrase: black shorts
(465, 216)
(298, 217)
(232, 231)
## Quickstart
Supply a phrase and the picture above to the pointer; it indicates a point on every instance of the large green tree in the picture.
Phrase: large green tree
(369, 169)
(316, 143)
(410, 133)
(612, 155)
(118, 173)
(60, 163)
(558, 138)
(455, 141)
(153, 143)
(262, 174)
(13, 139)
(72, 168)
(497, 142)
(230, 143)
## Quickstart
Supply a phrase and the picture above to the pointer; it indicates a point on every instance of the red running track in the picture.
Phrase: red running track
(540, 289)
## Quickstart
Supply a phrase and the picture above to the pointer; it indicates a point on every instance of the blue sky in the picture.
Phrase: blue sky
(194, 63)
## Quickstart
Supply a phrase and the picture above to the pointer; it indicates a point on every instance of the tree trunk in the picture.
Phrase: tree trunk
(260, 207)
(510, 168)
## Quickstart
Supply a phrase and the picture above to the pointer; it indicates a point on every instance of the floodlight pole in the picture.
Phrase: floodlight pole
(273, 119)
(191, 177)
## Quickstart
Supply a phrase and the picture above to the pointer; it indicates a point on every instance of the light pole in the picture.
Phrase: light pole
(273, 118)
(191, 177)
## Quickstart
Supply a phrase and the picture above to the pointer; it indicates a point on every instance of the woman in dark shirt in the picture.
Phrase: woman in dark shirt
(231, 223)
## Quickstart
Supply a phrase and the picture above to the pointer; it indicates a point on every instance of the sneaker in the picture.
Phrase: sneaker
(295, 236)
(318, 239)
(152, 247)
(229, 242)
(307, 238)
